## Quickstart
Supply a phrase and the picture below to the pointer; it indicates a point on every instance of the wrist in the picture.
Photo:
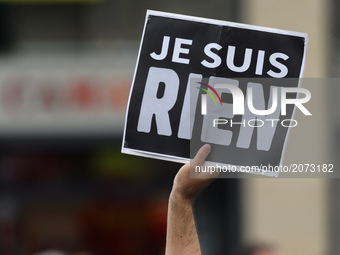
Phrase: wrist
(178, 198)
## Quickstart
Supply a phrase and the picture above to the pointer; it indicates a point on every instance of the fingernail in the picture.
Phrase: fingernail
(207, 147)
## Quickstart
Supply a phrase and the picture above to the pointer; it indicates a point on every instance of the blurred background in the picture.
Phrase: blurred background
(65, 73)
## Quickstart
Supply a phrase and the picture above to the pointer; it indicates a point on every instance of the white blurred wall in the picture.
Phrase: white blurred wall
(294, 213)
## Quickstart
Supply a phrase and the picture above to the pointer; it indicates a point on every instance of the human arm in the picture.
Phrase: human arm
(182, 235)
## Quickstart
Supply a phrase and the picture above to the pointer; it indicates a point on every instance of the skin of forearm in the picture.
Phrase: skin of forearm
(181, 232)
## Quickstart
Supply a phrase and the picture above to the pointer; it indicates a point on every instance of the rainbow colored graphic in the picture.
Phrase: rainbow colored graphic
(209, 93)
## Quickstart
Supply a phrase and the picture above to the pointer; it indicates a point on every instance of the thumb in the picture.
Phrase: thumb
(201, 155)
(198, 161)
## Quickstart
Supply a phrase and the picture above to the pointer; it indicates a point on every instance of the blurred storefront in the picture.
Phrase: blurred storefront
(65, 75)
